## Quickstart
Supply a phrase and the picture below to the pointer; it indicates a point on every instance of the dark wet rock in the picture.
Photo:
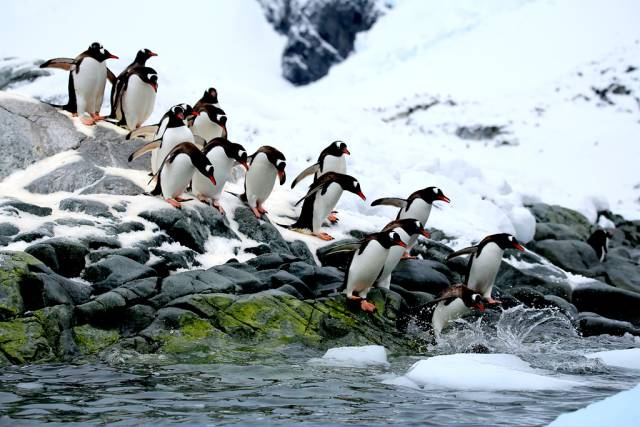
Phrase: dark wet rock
(545, 279)
(559, 215)
(192, 282)
(300, 250)
(260, 230)
(4, 241)
(24, 340)
(168, 261)
(270, 261)
(62, 255)
(96, 241)
(57, 323)
(572, 255)
(192, 225)
(107, 148)
(289, 289)
(545, 230)
(274, 279)
(415, 298)
(479, 132)
(529, 297)
(115, 271)
(607, 301)
(562, 304)
(70, 178)
(623, 273)
(339, 260)
(240, 265)
(89, 207)
(261, 249)
(420, 275)
(244, 281)
(31, 236)
(120, 207)
(320, 280)
(7, 229)
(26, 207)
(111, 184)
(136, 318)
(14, 71)
(15, 268)
(74, 222)
(127, 227)
(590, 324)
(136, 254)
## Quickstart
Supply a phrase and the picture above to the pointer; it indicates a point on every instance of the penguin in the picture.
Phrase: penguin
(223, 155)
(177, 169)
(175, 132)
(153, 132)
(140, 61)
(407, 228)
(210, 123)
(88, 75)
(264, 165)
(210, 96)
(599, 241)
(331, 159)
(417, 205)
(367, 264)
(322, 197)
(136, 97)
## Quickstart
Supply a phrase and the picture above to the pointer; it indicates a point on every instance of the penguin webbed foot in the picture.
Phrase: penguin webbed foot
(324, 236)
(332, 218)
(262, 210)
(176, 204)
(183, 199)
(406, 255)
(88, 121)
(367, 306)
(491, 301)
(256, 212)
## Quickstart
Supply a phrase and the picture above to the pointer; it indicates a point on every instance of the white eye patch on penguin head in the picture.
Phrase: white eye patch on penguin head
(209, 169)
(280, 164)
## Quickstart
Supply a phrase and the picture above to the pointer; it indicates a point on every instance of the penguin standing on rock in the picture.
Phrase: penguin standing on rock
(177, 169)
(367, 264)
(210, 123)
(322, 197)
(599, 241)
(156, 131)
(265, 165)
(223, 155)
(88, 75)
(136, 97)
(140, 61)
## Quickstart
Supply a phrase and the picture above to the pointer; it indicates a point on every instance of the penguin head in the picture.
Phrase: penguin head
(351, 184)
(239, 154)
(431, 194)
(474, 300)
(204, 166)
(99, 53)
(153, 79)
(210, 96)
(280, 165)
(391, 238)
(143, 55)
(149, 75)
(505, 241)
(412, 227)
(176, 116)
(337, 148)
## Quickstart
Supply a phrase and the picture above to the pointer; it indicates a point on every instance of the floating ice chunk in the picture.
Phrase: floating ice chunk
(629, 358)
(484, 372)
(620, 410)
(524, 223)
(363, 356)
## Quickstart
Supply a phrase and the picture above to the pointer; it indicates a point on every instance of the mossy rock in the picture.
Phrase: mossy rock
(24, 340)
(91, 340)
(560, 215)
(14, 269)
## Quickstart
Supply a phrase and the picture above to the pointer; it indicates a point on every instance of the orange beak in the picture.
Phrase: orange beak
(112, 56)
(400, 243)
(152, 53)
(245, 164)
(155, 87)
(518, 246)
(362, 196)
(282, 176)
(213, 180)
(180, 116)
(425, 233)
(195, 113)
(444, 199)
(345, 151)
(480, 306)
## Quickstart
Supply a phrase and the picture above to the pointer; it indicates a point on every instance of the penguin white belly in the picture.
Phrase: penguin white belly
(171, 138)
(443, 314)
(324, 204)
(484, 269)
(175, 176)
(334, 164)
(89, 85)
(137, 102)
(260, 179)
(365, 268)
(419, 210)
(393, 258)
(204, 127)
(222, 166)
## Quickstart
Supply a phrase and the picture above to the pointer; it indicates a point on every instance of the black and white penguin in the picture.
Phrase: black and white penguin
(407, 229)
(88, 75)
(265, 165)
(223, 155)
(367, 264)
(599, 241)
(418, 206)
(177, 169)
(136, 97)
(210, 96)
(175, 132)
(140, 61)
(210, 123)
(322, 197)
(331, 159)
(156, 131)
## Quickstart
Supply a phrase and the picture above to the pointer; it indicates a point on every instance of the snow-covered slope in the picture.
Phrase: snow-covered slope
(525, 66)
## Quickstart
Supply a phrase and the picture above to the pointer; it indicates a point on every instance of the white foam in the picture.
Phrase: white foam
(363, 356)
(629, 358)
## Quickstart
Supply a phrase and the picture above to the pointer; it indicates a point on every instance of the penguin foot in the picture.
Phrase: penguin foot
(97, 117)
(257, 212)
(176, 204)
(367, 306)
(323, 236)
(492, 301)
(406, 255)
(180, 199)
(216, 204)
(332, 218)
(87, 121)
(262, 210)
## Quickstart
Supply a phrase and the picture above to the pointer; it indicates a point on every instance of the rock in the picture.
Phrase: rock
(339, 260)
(127, 227)
(623, 273)
(479, 132)
(31, 236)
(420, 275)
(320, 280)
(25, 207)
(111, 184)
(62, 255)
(14, 71)
(300, 250)
(260, 230)
(15, 268)
(529, 297)
(105, 310)
(192, 225)
(549, 230)
(97, 241)
(57, 322)
(192, 282)
(74, 222)
(288, 289)
(107, 148)
(243, 281)
(261, 249)
(607, 301)
(90, 207)
(137, 254)
(23, 341)
(274, 279)
(7, 229)
(571, 255)
(270, 261)
(413, 299)
(69, 178)
(136, 318)
(560, 215)
(91, 340)
(115, 271)
(542, 278)
(590, 324)
(565, 306)
(168, 261)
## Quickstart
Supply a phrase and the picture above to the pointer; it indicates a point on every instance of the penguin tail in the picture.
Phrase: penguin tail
(242, 196)
(157, 190)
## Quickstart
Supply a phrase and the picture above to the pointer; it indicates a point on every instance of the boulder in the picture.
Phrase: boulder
(57, 323)
(89, 207)
(14, 71)
(114, 271)
(136, 318)
(7, 229)
(243, 281)
(270, 261)
(320, 280)
(542, 278)
(17, 205)
(62, 255)
(23, 341)
(260, 230)
(577, 222)
(168, 261)
(111, 184)
(69, 178)
(607, 301)
(192, 282)
(421, 275)
(622, 273)
(137, 254)
(15, 268)
(549, 230)
(572, 255)
(593, 324)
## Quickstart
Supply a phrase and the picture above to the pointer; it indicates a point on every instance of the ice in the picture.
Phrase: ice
(620, 410)
(629, 358)
(524, 223)
(359, 357)
(481, 372)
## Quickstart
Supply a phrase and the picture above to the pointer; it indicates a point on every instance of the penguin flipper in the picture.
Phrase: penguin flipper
(313, 190)
(144, 149)
(345, 247)
(67, 64)
(390, 201)
(305, 173)
(466, 251)
(111, 77)
(143, 132)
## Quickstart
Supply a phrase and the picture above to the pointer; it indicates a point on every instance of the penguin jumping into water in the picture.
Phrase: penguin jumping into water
(265, 165)
(210, 123)
(88, 75)
(140, 61)
(322, 197)
(223, 155)
(599, 241)
(177, 169)
(418, 206)
(136, 97)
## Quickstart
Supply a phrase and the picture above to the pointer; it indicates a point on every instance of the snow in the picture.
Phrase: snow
(482, 372)
(358, 357)
(629, 358)
(620, 410)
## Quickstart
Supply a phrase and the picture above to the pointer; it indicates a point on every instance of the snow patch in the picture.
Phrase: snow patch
(629, 358)
(357, 357)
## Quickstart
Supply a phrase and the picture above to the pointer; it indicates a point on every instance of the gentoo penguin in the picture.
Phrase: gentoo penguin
(417, 205)
(139, 61)
(331, 159)
(210, 96)
(210, 123)
(175, 132)
(322, 197)
(223, 155)
(599, 241)
(407, 229)
(153, 132)
(177, 169)
(136, 96)
(87, 78)
(367, 264)
(264, 165)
